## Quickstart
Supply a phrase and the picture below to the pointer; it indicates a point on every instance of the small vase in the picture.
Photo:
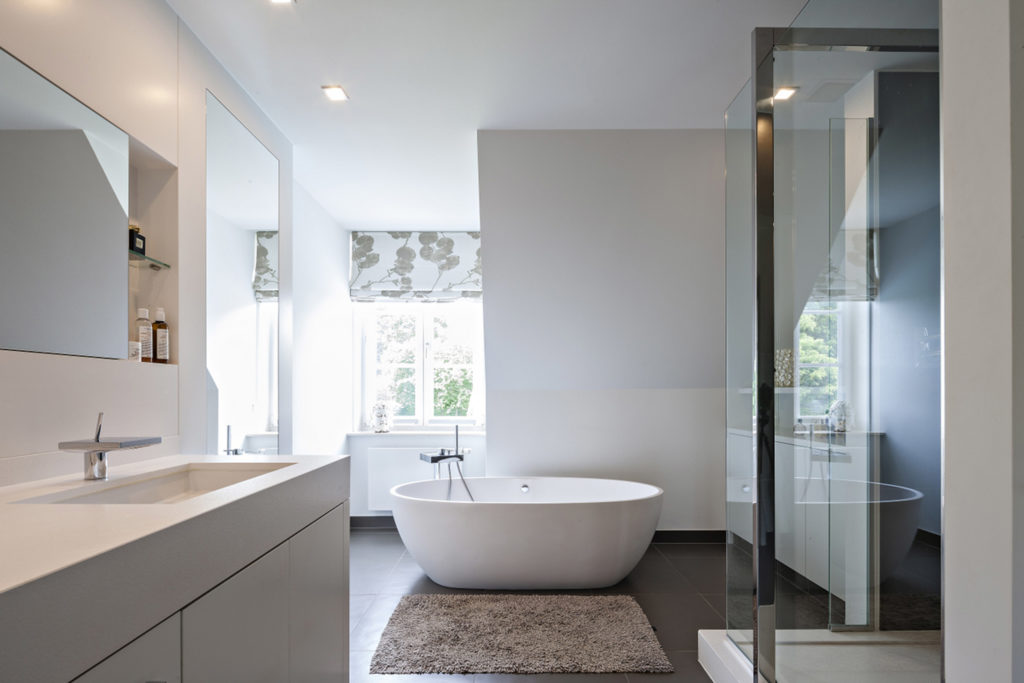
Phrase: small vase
(381, 417)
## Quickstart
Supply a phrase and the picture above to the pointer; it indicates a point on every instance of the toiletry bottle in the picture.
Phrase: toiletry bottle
(161, 338)
(144, 329)
(134, 345)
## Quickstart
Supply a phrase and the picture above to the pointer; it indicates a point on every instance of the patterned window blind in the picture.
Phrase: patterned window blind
(264, 275)
(420, 266)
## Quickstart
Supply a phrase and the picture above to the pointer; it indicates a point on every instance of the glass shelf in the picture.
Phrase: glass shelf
(148, 260)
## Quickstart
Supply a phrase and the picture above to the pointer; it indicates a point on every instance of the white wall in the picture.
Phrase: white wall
(135, 64)
(198, 72)
(46, 398)
(322, 313)
(604, 311)
(983, 360)
(380, 461)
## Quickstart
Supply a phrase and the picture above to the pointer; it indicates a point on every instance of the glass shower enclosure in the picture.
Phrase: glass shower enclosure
(832, 243)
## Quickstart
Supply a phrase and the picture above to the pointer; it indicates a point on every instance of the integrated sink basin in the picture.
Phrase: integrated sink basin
(170, 485)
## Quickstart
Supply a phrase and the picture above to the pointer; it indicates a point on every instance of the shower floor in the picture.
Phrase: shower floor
(680, 586)
(820, 656)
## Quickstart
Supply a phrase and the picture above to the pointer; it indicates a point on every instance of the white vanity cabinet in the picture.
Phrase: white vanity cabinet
(248, 582)
(282, 618)
(153, 657)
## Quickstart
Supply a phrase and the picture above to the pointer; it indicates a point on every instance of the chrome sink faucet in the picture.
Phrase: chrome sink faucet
(94, 452)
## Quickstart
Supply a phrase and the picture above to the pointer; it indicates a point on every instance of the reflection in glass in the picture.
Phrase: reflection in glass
(739, 263)
(63, 221)
(242, 284)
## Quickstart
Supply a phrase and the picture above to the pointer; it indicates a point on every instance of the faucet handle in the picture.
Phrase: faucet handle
(99, 425)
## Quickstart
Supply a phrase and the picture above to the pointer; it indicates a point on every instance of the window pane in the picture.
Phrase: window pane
(396, 338)
(453, 387)
(818, 389)
(398, 384)
(453, 338)
(818, 338)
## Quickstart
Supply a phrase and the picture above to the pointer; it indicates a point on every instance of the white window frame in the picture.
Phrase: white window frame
(366, 316)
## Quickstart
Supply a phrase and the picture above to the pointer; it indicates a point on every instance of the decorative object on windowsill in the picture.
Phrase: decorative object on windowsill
(380, 417)
(136, 240)
(838, 415)
(783, 367)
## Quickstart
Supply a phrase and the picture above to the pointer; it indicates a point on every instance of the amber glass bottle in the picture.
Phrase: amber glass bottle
(161, 338)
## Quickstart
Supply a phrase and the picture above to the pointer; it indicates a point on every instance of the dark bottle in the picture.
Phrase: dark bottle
(161, 338)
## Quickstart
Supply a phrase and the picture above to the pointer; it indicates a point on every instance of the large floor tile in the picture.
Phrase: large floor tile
(706, 573)
(357, 606)
(366, 634)
(382, 572)
(359, 672)
(687, 670)
(677, 618)
(653, 574)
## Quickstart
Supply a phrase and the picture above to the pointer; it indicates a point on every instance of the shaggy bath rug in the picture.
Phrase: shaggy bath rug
(519, 634)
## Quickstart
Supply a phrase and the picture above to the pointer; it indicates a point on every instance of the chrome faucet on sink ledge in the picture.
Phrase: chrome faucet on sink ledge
(94, 452)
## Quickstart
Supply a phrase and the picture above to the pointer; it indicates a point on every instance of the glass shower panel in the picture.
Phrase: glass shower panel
(739, 288)
(844, 177)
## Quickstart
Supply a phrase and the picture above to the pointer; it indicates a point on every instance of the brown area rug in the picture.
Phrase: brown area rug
(519, 634)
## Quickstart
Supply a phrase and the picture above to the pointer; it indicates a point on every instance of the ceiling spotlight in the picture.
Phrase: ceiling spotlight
(335, 93)
(282, 2)
(785, 93)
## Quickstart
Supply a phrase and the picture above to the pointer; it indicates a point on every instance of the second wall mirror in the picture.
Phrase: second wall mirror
(241, 284)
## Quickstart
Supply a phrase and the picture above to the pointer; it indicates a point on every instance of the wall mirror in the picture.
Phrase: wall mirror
(241, 284)
(64, 173)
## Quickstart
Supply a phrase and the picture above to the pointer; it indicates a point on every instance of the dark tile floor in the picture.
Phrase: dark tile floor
(911, 599)
(681, 587)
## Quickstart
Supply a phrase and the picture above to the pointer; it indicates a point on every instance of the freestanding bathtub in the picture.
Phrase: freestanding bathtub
(527, 533)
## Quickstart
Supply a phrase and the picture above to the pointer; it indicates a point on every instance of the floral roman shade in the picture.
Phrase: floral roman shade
(421, 266)
(264, 275)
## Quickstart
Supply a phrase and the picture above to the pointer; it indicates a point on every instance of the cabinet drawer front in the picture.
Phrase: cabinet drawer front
(239, 630)
(154, 656)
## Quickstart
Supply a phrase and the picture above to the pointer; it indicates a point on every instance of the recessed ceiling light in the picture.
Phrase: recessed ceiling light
(335, 93)
(282, 2)
(785, 93)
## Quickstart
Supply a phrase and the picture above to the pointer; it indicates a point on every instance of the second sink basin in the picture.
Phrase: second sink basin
(170, 485)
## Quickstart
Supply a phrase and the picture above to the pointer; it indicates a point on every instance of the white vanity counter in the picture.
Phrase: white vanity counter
(78, 581)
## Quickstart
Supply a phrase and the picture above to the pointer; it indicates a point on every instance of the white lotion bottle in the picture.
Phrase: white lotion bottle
(144, 330)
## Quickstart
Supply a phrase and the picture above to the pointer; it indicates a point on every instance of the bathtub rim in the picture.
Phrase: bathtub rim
(917, 495)
(657, 492)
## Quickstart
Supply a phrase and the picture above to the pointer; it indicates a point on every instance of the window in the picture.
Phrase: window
(817, 362)
(425, 359)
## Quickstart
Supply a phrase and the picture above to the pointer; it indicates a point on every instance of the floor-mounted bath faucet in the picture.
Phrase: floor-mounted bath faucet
(94, 452)
(449, 456)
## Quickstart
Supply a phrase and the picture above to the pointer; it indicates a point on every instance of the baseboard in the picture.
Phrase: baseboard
(689, 536)
(661, 536)
(373, 522)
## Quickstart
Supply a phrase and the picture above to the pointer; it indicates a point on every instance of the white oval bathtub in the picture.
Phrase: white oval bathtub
(527, 533)
(899, 508)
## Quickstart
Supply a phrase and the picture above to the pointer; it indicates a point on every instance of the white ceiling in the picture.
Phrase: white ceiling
(423, 77)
